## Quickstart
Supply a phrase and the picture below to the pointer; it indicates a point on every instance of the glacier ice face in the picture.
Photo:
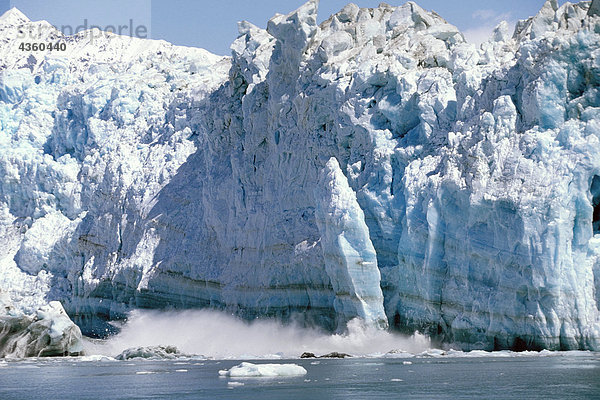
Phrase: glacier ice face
(88, 139)
(135, 173)
(49, 332)
(349, 255)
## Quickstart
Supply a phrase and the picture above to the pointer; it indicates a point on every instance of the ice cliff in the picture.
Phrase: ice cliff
(49, 332)
(374, 166)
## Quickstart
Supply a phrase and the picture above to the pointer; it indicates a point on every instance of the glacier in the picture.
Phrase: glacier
(375, 165)
(49, 332)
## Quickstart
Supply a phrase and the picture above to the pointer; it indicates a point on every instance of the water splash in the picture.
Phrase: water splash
(222, 336)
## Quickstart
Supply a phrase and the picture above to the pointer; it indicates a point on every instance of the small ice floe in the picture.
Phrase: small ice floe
(397, 354)
(234, 384)
(145, 372)
(333, 354)
(247, 369)
(152, 352)
(432, 353)
(96, 357)
(407, 362)
(181, 370)
(274, 356)
(396, 380)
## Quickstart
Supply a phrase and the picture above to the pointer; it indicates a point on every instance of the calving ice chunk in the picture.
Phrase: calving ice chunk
(376, 165)
(350, 258)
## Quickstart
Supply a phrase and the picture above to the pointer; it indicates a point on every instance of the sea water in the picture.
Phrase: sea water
(384, 365)
(571, 375)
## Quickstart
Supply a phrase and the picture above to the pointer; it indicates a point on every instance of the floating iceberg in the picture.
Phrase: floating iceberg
(151, 352)
(247, 369)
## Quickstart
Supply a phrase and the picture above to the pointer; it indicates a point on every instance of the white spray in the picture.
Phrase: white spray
(218, 335)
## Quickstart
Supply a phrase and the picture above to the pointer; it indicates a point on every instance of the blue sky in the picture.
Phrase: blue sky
(212, 24)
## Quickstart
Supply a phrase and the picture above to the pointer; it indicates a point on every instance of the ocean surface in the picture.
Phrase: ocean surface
(570, 375)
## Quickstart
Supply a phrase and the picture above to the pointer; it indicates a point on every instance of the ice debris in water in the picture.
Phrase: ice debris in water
(151, 352)
(96, 358)
(247, 369)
